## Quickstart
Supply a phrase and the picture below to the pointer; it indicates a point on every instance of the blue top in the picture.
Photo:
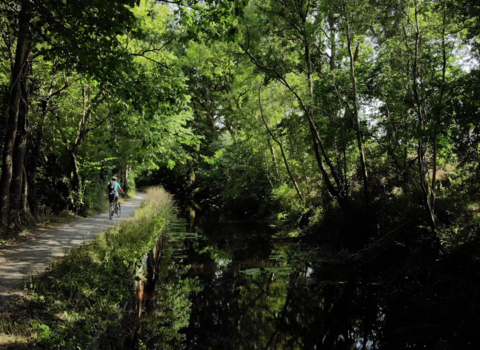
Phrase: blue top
(117, 185)
(115, 190)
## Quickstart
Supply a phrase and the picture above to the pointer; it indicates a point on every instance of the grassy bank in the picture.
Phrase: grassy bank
(84, 300)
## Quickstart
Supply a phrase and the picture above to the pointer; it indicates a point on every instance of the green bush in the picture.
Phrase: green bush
(95, 198)
(289, 205)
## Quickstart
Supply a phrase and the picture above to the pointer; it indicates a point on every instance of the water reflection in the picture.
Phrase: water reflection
(234, 287)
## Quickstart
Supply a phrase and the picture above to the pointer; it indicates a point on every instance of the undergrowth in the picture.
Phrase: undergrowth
(86, 300)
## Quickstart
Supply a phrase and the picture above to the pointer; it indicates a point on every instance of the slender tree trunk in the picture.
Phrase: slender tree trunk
(333, 44)
(308, 60)
(76, 179)
(3, 119)
(358, 132)
(285, 161)
(24, 191)
(211, 121)
(422, 167)
(319, 151)
(440, 113)
(274, 157)
(267, 170)
(125, 184)
(317, 144)
(24, 44)
(31, 167)
(313, 130)
(232, 132)
(33, 156)
(9, 40)
(406, 174)
(20, 147)
(73, 149)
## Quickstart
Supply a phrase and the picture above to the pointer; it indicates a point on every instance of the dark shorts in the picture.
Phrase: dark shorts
(113, 197)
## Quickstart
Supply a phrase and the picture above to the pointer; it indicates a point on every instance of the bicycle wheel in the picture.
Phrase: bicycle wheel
(111, 210)
(119, 210)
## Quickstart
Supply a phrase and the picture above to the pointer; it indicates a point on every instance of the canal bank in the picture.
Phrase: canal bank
(87, 299)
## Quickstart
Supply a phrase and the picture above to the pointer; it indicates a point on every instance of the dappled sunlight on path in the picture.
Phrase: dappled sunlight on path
(18, 263)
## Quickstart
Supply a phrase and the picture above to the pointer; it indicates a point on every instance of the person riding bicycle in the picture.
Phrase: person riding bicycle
(113, 189)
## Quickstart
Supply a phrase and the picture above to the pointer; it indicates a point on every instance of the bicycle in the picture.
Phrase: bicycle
(114, 209)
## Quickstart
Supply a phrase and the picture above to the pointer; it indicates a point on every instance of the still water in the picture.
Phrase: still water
(229, 284)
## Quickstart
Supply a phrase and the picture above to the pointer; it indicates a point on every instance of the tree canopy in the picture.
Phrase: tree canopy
(315, 111)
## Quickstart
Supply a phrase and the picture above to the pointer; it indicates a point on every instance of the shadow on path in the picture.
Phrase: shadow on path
(19, 263)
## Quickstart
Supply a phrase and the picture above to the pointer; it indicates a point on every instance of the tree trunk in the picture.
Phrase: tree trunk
(125, 184)
(318, 147)
(318, 144)
(31, 167)
(333, 44)
(75, 173)
(274, 157)
(75, 180)
(422, 166)
(3, 119)
(267, 170)
(32, 164)
(9, 39)
(439, 118)
(20, 148)
(24, 190)
(24, 44)
(358, 132)
(279, 143)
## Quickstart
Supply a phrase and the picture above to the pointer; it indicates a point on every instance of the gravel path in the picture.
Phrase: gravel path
(18, 263)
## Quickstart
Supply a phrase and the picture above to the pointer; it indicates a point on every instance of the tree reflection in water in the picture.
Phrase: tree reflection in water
(224, 291)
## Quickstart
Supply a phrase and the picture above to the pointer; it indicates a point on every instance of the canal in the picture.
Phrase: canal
(230, 283)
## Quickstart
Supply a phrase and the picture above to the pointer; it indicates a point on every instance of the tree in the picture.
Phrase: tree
(61, 21)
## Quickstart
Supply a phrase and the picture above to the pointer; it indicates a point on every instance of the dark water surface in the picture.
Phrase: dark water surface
(234, 285)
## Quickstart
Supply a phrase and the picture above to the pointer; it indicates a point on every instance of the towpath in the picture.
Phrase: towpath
(18, 263)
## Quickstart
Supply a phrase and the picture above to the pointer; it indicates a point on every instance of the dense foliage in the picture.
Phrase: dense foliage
(98, 94)
(361, 116)
(356, 115)
(356, 122)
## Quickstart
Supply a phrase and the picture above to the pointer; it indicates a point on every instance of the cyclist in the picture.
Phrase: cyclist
(113, 189)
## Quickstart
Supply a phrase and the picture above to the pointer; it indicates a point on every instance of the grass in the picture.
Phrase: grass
(100, 205)
(84, 300)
